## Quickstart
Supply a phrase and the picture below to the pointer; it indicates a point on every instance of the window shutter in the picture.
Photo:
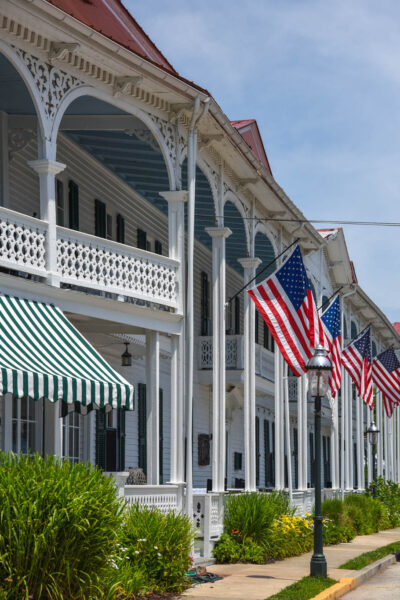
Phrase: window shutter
(237, 315)
(256, 326)
(296, 457)
(257, 451)
(142, 431)
(73, 205)
(267, 452)
(273, 456)
(121, 438)
(120, 229)
(204, 304)
(161, 436)
(100, 219)
(101, 438)
(157, 247)
(141, 239)
(60, 202)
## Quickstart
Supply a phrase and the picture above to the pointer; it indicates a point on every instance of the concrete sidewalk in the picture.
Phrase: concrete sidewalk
(257, 582)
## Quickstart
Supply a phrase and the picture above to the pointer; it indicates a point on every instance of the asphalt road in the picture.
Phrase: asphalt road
(384, 586)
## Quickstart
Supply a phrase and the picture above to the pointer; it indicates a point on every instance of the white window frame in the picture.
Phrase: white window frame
(71, 425)
(16, 419)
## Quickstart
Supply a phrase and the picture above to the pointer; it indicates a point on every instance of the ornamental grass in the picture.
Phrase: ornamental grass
(58, 526)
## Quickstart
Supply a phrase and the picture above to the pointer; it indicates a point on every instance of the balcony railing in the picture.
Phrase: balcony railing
(87, 261)
(234, 356)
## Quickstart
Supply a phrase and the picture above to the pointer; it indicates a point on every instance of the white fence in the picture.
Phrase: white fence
(88, 261)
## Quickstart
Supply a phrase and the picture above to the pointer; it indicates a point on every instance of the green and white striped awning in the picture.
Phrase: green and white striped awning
(42, 355)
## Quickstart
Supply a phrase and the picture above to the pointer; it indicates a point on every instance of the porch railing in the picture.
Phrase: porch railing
(87, 261)
(234, 357)
(163, 497)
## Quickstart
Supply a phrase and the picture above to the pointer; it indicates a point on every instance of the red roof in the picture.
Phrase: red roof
(111, 19)
(249, 131)
(397, 326)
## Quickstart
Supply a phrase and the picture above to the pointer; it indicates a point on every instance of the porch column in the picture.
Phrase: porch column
(300, 434)
(218, 235)
(369, 451)
(47, 171)
(379, 424)
(249, 402)
(153, 406)
(278, 405)
(4, 169)
(359, 413)
(176, 242)
(334, 442)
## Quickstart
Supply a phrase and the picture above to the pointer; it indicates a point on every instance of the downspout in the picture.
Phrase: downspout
(342, 450)
(197, 115)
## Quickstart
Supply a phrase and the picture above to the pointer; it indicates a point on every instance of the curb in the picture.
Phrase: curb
(346, 584)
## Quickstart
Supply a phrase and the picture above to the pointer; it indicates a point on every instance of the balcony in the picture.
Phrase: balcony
(87, 261)
(234, 356)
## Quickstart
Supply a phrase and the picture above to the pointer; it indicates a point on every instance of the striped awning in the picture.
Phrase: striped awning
(42, 355)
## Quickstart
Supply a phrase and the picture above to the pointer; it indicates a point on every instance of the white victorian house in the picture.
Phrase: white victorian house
(132, 203)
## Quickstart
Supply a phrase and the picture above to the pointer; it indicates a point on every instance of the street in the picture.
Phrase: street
(384, 586)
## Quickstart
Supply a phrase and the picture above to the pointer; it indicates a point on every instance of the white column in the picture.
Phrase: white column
(342, 432)
(218, 235)
(369, 450)
(4, 186)
(349, 434)
(300, 434)
(304, 385)
(249, 402)
(279, 467)
(379, 424)
(176, 241)
(153, 406)
(47, 171)
(334, 443)
(358, 441)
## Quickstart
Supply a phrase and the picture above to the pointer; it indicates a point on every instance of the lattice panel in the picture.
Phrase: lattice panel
(215, 516)
(22, 243)
(206, 353)
(231, 353)
(116, 269)
(164, 502)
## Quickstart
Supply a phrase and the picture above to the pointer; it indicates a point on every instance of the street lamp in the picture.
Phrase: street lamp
(318, 371)
(372, 433)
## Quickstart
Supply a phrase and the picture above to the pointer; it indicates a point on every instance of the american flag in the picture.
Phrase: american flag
(286, 304)
(386, 376)
(331, 319)
(356, 358)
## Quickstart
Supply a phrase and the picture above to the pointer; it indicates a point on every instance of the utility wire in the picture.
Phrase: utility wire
(289, 220)
(262, 270)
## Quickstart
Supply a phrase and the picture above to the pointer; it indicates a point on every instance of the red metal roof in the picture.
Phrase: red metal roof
(397, 326)
(249, 131)
(113, 20)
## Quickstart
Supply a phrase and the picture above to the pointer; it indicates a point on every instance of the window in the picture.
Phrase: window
(24, 422)
(109, 223)
(268, 457)
(353, 331)
(60, 203)
(100, 219)
(257, 451)
(141, 239)
(296, 457)
(237, 461)
(73, 205)
(157, 247)
(71, 436)
(269, 342)
(161, 435)
(374, 350)
(120, 229)
(142, 427)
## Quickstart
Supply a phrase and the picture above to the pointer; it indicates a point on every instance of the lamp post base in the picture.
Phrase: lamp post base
(318, 566)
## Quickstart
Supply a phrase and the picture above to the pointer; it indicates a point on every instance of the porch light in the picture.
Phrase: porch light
(318, 370)
(373, 433)
(126, 357)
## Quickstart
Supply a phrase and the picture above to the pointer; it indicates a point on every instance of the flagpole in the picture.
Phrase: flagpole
(326, 303)
(262, 270)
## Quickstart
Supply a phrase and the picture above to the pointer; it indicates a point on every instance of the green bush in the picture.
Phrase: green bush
(58, 526)
(388, 492)
(290, 536)
(157, 545)
(250, 516)
(368, 515)
(229, 550)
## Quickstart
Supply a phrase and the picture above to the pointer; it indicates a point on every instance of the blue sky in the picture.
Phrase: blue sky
(323, 81)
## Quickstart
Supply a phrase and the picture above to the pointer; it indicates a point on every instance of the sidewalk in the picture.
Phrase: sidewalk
(257, 582)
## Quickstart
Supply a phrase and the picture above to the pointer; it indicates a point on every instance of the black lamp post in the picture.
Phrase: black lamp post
(372, 433)
(318, 370)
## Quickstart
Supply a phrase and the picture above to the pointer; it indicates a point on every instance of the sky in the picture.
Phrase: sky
(322, 78)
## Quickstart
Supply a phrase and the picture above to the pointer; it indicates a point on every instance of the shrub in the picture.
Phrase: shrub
(58, 526)
(368, 515)
(338, 527)
(250, 516)
(229, 550)
(388, 492)
(290, 536)
(158, 545)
